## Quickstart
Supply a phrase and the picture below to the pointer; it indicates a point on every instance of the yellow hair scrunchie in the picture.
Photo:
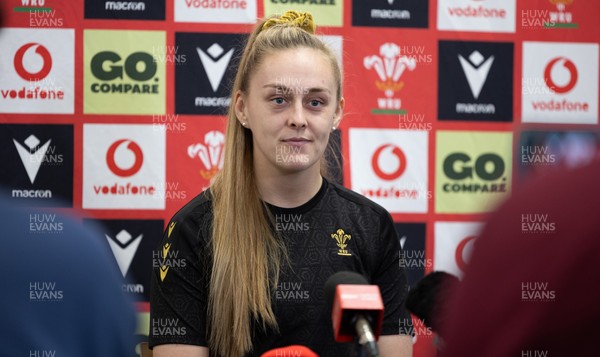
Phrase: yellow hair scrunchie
(304, 20)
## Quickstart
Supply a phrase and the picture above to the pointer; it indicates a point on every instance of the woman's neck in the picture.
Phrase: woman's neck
(289, 190)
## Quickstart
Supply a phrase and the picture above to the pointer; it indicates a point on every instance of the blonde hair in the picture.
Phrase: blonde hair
(246, 254)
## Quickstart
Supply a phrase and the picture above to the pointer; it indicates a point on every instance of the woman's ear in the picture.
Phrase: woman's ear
(337, 115)
(240, 108)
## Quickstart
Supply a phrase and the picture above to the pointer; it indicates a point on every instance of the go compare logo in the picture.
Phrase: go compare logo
(473, 170)
(124, 74)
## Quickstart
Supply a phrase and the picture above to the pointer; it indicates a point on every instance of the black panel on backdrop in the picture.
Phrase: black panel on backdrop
(36, 164)
(412, 240)
(390, 13)
(203, 82)
(133, 244)
(475, 81)
(125, 10)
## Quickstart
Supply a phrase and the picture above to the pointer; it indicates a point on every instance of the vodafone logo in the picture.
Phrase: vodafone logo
(549, 71)
(463, 252)
(133, 148)
(397, 152)
(42, 52)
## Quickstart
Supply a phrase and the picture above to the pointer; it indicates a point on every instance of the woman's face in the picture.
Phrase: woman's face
(290, 107)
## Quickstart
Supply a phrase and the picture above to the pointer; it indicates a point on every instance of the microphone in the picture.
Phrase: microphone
(293, 350)
(356, 309)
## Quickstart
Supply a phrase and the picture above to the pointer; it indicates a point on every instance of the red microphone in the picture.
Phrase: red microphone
(356, 310)
(290, 351)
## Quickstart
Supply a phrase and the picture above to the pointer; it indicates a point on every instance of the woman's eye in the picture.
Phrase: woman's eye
(316, 103)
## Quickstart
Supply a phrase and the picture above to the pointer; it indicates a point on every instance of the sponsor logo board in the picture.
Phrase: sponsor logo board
(123, 167)
(390, 167)
(124, 72)
(473, 170)
(560, 83)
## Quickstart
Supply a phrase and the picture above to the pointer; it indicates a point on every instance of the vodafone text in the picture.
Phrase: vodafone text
(124, 189)
(217, 4)
(477, 11)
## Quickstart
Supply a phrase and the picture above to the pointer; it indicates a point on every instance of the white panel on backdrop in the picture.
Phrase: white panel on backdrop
(124, 166)
(453, 245)
(389, 166)
(336, 44)
(37, 70)
(476, 15)
(560, 83)
(216, 11)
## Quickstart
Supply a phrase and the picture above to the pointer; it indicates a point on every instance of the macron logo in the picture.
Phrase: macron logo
(476, 71)
(402, 241)
(32, 160)
(215, 69)
(124, 247)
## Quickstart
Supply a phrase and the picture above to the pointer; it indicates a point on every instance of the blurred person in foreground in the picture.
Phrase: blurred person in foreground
(260, 244)
(530, 287)
(62, 294)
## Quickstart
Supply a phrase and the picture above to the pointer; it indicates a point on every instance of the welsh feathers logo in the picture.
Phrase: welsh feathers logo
(210, 153)
(341, 239)
(389, 66)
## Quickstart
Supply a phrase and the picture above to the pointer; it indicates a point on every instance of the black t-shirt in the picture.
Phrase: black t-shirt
(180, 283)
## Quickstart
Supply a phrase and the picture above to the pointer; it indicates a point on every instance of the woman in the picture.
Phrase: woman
(261, 242)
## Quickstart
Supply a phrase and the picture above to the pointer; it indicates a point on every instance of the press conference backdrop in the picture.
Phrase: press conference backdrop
(116, 108)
